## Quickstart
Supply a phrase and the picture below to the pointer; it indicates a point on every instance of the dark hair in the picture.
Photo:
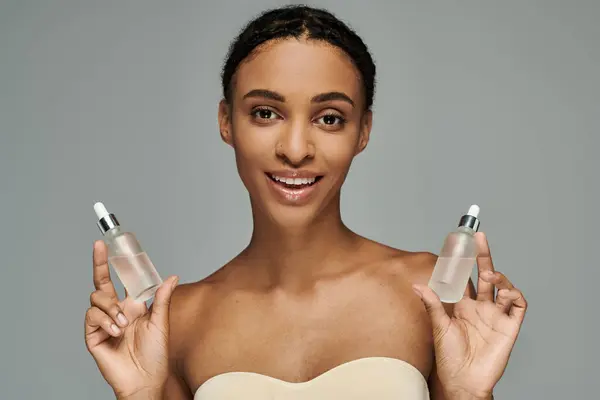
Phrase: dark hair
(300, 21)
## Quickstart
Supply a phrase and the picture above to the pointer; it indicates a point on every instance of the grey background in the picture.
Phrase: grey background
(494, 103)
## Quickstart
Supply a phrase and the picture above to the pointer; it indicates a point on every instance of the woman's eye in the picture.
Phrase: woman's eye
(331, 120)
(264, 114)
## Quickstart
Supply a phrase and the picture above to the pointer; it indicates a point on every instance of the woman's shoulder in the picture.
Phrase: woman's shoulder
(190, 299)
(402, 269)
(415, 266)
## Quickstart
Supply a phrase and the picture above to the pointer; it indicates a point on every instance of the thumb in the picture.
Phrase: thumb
(437, 313)
(162, 302)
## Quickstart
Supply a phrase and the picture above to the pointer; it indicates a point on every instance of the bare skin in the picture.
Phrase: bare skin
(307, 294)
(297, 333)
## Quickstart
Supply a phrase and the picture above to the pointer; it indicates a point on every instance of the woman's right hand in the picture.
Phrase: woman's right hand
(128, 342)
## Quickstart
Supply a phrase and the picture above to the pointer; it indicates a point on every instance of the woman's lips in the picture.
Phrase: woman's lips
(293, 187)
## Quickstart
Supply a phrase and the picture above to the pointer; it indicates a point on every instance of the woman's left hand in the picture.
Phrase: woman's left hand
(473, 345)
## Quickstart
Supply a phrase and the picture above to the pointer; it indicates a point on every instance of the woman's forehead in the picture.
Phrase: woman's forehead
(295, 66)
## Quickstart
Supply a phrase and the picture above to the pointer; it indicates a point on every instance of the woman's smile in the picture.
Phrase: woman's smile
(293, 186)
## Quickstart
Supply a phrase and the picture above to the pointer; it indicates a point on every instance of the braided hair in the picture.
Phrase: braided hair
(299, 21)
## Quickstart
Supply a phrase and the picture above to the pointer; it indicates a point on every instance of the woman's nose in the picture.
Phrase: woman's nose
(295, 144)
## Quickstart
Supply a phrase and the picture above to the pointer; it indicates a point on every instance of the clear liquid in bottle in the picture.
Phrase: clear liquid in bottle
(132, 264)
(455, 263)
(138, 275)
(450, 277)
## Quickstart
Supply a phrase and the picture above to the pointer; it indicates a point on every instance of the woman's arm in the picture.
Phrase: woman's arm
(173, 389)
(436, 389)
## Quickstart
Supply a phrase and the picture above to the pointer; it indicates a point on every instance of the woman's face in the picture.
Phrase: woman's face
(296, 122)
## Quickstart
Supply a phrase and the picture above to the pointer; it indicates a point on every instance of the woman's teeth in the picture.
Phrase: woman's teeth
(294, 181)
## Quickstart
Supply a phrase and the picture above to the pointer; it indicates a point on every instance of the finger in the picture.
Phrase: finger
(519, 305)
(108, 304)
(101, 272)
(162, 302)
(96, 319)
(507, 298)
(485, 265)
(501, 282)
(437, 313)
(497, 279)
(504, 300)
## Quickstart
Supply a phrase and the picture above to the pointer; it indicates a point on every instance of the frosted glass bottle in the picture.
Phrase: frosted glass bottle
(456, 259)
(131, 263)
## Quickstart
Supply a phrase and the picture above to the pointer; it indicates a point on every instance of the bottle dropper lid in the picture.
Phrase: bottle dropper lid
(473, 210)
(106, 220)
(471, 218)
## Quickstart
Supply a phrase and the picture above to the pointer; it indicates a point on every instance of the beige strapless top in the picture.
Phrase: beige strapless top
(380, 378)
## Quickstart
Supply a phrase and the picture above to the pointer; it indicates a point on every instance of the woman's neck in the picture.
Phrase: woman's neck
(296, 256)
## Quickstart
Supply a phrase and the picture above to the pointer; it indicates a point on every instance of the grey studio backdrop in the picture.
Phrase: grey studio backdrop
(486, 102)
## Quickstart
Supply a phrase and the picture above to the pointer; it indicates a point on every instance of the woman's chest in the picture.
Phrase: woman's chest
(299, 342)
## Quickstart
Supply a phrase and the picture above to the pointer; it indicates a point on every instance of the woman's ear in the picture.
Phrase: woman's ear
(365, 131)
(225, 122)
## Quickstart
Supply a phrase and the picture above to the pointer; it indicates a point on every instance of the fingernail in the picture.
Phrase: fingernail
(115, 329)
(175, 281)
(122, 319)
(417, 291)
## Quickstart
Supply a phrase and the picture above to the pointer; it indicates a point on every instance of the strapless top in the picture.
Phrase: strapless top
(380, 378)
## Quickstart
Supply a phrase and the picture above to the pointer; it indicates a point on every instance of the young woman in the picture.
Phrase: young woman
(309, 309)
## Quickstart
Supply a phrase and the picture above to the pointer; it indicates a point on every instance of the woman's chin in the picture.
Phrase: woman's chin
(289, 208)
(292, 217)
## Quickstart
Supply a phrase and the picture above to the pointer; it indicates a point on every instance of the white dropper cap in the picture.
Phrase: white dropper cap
(473, 211)
(101, 211)
(470, 219)
(106, 220)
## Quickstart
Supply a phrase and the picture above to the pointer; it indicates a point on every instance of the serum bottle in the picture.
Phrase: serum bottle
(131, 263)
(456, 260)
